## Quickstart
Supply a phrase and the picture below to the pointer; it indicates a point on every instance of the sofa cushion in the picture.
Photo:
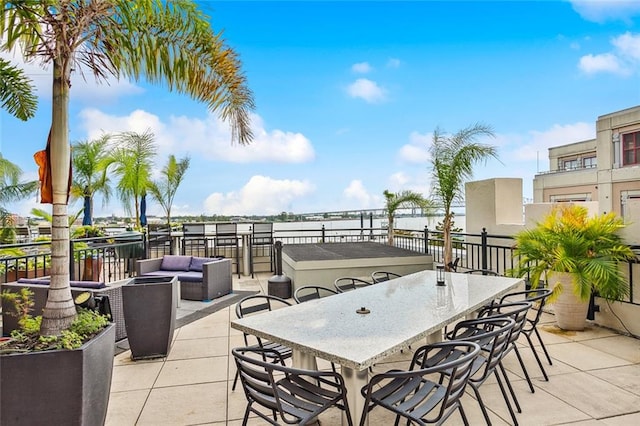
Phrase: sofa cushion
(175, 263)
(191, 277)
(78, 284)
(197, 262)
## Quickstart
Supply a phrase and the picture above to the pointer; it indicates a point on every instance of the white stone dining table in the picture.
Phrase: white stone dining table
(402, 311)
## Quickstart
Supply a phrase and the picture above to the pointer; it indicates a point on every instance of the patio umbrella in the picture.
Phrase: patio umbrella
(86, 220)
(143, 211)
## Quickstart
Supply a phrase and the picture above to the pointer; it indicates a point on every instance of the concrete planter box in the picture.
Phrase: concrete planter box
(65, 387)
(150, 315)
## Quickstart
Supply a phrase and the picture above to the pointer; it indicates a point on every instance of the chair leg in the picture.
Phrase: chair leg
(544, 348)
(235, 381)
(511, 391)
(535, 354)
(524, 369)
(476, 391)
(462, 414)
(506, 398)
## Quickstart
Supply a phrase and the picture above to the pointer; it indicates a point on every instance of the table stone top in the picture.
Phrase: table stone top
(402, 311)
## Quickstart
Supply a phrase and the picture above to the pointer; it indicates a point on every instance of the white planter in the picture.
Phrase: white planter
(570, 311)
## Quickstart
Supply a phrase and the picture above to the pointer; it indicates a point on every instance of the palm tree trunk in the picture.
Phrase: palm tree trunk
(59, 311)
(446, 245)
(390, 229)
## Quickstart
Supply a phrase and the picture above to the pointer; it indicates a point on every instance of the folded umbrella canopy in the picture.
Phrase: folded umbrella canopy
(143, 211)
(86, 220)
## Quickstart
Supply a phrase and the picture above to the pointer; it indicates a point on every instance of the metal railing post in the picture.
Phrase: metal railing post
(322, 238)
(72, 269)
(426, 240)
(484, 248)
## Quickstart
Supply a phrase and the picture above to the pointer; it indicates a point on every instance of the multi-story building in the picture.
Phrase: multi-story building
(605, 169)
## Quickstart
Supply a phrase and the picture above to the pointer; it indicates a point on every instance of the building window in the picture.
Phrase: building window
(589, 162)
(570, 164)
(631, 148)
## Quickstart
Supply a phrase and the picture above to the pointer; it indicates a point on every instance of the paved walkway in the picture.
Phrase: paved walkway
(594, 379)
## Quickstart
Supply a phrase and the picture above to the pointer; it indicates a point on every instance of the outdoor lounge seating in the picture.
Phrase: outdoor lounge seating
(201, 278)
(40, 288)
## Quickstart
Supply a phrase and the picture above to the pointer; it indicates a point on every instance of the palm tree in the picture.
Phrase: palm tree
(452, 160)
(171, 42)
(164, 190)
(132, 161)
(16, 92)
(397, 200)
(11, 187)
(90, 161)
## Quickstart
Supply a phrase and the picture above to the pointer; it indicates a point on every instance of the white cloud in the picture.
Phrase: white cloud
(417, 150)
(366, 89)
(623, 60)
(208, 137)
(361, 67)
(357, 193)
(540, 142)
(393, 63)
(261, 195)
(83, 90)
(602, 11)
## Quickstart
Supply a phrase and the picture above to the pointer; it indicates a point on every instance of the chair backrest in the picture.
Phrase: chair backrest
(453, 266)
(256, 375)
(344, 284)
(492, 334)
(453, 360)
(193, 229)
(538, 296)
(380, 276)
(226, 234)
(482, 272)
(310, 292)
(262, 233)
(257, 303)
(515, 310)
(298, 395)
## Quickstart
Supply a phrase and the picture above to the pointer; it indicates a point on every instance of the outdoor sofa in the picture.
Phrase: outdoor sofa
(201, 278)
(40, 288)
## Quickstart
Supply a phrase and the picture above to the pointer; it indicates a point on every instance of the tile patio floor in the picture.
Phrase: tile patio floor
(594, 379)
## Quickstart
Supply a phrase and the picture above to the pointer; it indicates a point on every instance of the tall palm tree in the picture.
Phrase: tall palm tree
(452, 160)
(164, 190)
(132, 161)
(16, 91)
(164, 41)
(90, 161)
(396, 200)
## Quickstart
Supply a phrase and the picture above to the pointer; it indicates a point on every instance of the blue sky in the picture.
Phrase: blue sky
(348, 94)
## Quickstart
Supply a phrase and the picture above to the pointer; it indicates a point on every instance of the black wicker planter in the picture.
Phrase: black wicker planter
(150, 315)
(65, 387)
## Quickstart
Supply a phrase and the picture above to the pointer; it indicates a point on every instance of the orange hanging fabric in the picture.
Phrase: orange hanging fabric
(43, 160)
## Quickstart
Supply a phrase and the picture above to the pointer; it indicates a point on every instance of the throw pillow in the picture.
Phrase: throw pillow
(175, 263)
(197, 262)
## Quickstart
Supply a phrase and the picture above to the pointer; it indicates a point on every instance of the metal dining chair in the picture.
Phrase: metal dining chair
(261, 242)
(538, 297)
(298, 396)
(311, 292)
(413, 394)
(344, 284)
(227, 238)
(380, 276)
(255, 304)
(492, 335)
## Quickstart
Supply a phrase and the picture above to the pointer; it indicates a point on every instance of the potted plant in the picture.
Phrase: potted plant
(576, 255)
(76, 391)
